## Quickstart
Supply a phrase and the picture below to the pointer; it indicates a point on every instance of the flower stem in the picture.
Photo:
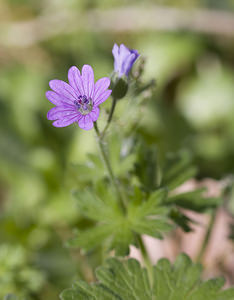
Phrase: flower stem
(121, 197)
(109, 168)
(145, 256)
(114, 100)
(207, 236)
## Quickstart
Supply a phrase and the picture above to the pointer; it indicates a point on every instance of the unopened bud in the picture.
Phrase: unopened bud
(119, 86)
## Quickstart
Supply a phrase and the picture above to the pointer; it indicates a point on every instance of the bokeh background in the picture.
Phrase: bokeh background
(188, 48)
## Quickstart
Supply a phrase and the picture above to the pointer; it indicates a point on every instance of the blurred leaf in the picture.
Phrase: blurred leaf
(194, 201)
(93, 207)
(150, 217)
(123, 280)
(178, 169)
(169, 54)
(94, 170)
(116, 229)
(207, 99)
(180, 219)
(17, 273)
(146, 167)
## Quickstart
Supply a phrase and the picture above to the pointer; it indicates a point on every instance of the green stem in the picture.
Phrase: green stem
(121, 197)
(207, 236)
(108, 167)
(114, 100)
(145, 256)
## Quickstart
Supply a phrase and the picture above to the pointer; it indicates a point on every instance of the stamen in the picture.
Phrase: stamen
(83, 104)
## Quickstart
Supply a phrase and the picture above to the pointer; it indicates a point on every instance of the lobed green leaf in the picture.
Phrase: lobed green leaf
(127, 280)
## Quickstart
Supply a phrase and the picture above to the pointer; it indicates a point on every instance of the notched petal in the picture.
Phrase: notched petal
(88, 80)
(100, 86)
(103, 97)
(74, 78)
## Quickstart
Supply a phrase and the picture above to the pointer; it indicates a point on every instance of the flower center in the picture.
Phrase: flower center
(84, 105)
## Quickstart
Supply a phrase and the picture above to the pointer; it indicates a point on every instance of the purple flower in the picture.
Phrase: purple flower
(124, 59)
(77, 101)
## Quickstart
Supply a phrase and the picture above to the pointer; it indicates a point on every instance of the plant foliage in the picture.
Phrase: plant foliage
(127, 280)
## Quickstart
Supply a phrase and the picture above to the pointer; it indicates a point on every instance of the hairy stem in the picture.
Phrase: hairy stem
(121, 197)
(109, 168)
(207, 236)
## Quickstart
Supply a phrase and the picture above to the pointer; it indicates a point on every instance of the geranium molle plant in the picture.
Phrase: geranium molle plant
(124, 198)
(78, 101)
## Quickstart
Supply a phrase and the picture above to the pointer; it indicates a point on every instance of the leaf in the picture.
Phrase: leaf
(153, 205)
(93, 207)
(122, 238)
(147, 167)
(150, 217)
(194, 201)
(115, 229)
(127, 280)
(177, 170)
(91, 238)
(180, 219)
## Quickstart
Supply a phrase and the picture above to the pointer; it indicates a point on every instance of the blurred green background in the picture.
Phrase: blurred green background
(192, 107)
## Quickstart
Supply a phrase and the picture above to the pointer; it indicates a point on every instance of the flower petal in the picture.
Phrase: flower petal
(65, 121)
(88, 80)
(57, 99)
(102, 97)
(124, 59)
(124, 52)
(115, 52)
(86, 122)
(63, 88)
(128, 63)
(100, 86)
(60, 112)
(94, 114)
(74, 79)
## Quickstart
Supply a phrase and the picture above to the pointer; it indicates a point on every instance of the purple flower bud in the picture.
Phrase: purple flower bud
(124, 59)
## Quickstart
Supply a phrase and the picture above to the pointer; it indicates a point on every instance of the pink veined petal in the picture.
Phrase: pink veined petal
(102, 97)
(60, 112)
(74, 79)
(63, 88)
(94, 114)
(57, 99)
(66, 121)
(88, 80)
(86, 122)
(100, 86)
